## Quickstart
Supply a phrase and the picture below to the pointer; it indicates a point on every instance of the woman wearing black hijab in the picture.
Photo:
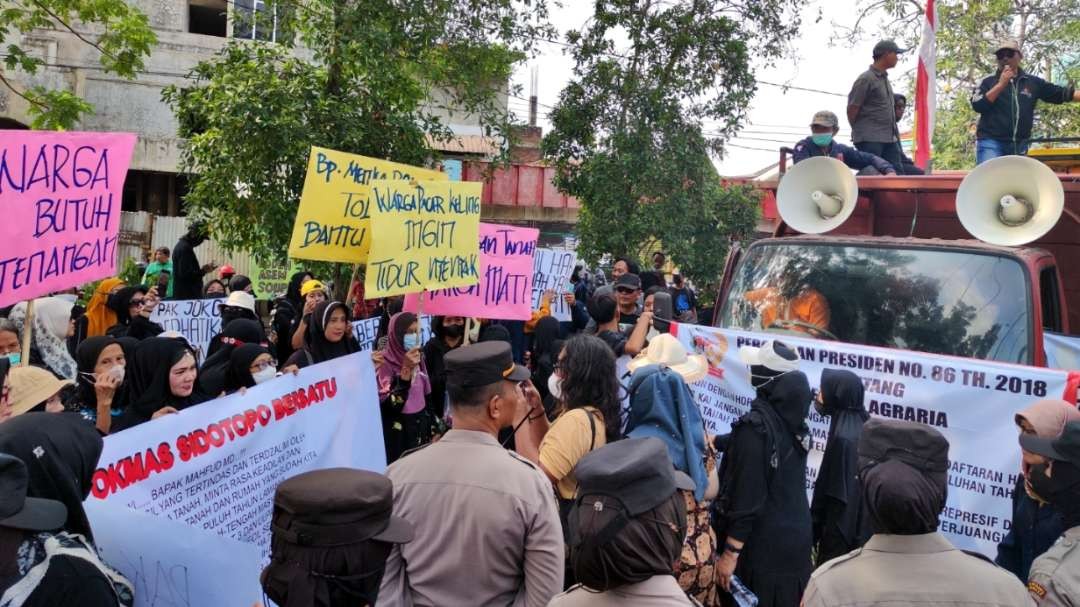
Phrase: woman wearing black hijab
(836, 509)
(60, 451)
(544, 354)
(101, 394)
(329, 336)
(163, 380)
(285, 310)
(239, 332)
(765, 522)
(249, 364)
(132, 314)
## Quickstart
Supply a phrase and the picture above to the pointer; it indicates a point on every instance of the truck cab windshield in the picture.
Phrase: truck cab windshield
(942, 301)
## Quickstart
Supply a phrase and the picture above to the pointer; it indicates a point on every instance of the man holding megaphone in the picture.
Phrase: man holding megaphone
(1006, 105)
(821, 142)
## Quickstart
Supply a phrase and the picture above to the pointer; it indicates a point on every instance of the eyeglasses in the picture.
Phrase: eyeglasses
(625, 291)
(1005, 54)
(136, 302)
(256, 367)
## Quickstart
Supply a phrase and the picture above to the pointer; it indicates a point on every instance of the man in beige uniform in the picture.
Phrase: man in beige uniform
(1055, 576)
(903, 467)
(487, 528)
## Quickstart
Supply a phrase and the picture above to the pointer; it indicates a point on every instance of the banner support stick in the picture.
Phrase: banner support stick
(28, 327)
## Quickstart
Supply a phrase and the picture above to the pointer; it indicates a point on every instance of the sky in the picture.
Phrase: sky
(778, 116)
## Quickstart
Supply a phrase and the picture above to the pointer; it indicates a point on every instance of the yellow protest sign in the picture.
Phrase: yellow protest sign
(425, 235)
(333, 219)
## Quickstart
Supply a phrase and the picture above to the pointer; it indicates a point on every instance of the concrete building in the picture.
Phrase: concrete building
(188, 31)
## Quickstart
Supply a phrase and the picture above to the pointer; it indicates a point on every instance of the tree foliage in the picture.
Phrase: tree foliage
(358, 76)
(627, 132)
(967, 35)
(123, 40)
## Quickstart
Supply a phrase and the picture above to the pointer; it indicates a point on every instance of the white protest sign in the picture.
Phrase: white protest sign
(172, 563)
(551, 270)
(215, 466)
(198, 320)
(971, 402)
(366, 331)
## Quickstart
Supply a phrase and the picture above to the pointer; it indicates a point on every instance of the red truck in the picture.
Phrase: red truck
(902, 272)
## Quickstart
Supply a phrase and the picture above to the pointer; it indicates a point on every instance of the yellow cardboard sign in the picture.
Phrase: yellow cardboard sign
(426, 235)
(333, 220)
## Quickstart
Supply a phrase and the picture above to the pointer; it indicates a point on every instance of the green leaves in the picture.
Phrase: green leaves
(372, 77)
(628, 136)
(125, 41)
(966, 41)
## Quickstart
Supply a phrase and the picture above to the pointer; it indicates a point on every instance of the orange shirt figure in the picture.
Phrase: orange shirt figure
(809, 307)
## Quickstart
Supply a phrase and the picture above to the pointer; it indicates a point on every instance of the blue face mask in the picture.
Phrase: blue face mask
(822, 139)
(14, 358)
(411, 341)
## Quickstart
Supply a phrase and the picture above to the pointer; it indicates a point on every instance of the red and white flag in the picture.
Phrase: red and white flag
(926, 87)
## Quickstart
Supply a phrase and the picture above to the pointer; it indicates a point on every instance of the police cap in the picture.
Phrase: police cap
(482, 365)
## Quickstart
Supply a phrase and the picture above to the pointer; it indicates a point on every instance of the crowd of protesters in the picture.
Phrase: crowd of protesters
(530, 462)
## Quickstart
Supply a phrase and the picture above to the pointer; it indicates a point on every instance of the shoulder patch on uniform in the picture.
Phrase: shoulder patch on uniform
(521, 459)
(1036, 589)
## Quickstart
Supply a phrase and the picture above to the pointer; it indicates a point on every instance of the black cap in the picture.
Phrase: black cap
(917, 445)
(318, 505)
(20, 512)
(482, 365)
(636, 471)
(628, 280)
(887, 46)
(1064, 448)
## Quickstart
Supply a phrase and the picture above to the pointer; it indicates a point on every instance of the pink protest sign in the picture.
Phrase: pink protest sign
(60, 194)
(505, 288)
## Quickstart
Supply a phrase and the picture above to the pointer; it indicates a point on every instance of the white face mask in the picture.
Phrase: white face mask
(265, 374)
(117, 371)
(554, 386)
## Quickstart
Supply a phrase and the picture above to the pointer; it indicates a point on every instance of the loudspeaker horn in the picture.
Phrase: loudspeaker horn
(1011, 200)
(817, 195)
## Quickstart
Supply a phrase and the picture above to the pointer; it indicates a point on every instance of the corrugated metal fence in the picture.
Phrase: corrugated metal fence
(142, 231)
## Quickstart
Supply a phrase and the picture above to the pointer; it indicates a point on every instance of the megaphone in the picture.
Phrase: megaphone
(817, 195)
(1011, 200)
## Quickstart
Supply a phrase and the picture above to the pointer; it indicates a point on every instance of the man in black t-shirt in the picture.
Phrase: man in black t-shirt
(605, 311)
(683, 301)
(628, 296)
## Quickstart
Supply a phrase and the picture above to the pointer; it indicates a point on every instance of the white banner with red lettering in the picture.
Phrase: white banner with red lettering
(972, 403)
(212, 470)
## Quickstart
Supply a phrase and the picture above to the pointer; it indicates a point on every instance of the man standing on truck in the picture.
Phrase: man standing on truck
(870, 107)
(824, 128)
(1006, 105)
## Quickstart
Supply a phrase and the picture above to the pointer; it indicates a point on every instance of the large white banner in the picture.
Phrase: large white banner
(198, 320)
(551, 270)
(213, 468)
(971, 402)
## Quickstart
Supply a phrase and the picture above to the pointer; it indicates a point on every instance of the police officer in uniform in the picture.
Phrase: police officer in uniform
(903, 467)
(1055, 576)
(487, 528)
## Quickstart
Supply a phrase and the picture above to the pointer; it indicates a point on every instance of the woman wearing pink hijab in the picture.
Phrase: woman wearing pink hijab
(403, 389)
(1035, 525)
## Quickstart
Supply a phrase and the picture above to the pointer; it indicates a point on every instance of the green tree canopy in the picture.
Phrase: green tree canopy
(967, 35)
(124, 42)
(627, 132)
(359, 76)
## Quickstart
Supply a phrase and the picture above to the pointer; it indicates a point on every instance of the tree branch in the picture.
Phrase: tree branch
(72, 30)
(11, 87)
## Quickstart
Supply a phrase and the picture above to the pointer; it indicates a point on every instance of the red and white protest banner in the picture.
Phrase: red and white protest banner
(972, 402)
(213, 468)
